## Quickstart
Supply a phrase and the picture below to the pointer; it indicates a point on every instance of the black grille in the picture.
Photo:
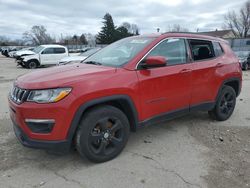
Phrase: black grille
(18, 95)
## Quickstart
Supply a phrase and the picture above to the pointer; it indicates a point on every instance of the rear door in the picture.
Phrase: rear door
(59, 53)
(166, 89)
(205, 79)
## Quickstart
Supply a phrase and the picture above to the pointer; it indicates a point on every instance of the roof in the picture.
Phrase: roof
(183, 35)
(52, 45)
(218, 33)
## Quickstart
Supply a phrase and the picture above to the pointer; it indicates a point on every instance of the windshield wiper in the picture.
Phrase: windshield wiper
(92, 62)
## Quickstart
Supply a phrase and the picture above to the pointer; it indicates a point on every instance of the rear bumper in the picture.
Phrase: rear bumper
(59, 146)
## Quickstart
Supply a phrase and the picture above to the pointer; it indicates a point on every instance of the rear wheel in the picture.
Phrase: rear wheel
(225, 104)
(103, 133)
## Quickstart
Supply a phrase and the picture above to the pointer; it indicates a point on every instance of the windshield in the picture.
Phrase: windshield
(242, 54)
(120, 52)
(38, 49)
(89, 52)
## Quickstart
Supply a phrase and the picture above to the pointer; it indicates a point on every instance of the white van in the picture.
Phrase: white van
(44, 55)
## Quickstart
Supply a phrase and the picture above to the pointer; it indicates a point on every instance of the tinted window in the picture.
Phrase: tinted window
(201, 49)
(217, 49)
(59, 50)
(48, 51)
(174, 50)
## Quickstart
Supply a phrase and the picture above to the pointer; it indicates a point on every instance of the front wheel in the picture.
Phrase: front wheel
(102, 134)
(225, 104)
(31, 65)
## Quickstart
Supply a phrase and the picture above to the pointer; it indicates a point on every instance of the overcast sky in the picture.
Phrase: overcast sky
(85, 16)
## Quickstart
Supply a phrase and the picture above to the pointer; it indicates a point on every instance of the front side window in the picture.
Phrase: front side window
(201, 49)
(48, 51)
(174, 50)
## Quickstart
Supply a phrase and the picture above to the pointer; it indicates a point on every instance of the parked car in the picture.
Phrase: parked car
(78, 58)
(133, 82)
(24, 52)
(13, 50)
(244, 58)
(5, 52)
(79, 50)
(17, 50)
(44, 55)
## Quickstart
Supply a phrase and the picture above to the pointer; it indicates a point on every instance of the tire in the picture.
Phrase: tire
(31, 64)
(245, 66)
(102, 134)
(225, 104)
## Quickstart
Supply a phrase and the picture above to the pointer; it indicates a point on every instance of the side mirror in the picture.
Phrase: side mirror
(154, 61)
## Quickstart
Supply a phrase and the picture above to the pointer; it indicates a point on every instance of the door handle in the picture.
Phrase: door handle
(185, 70)
(219, 65)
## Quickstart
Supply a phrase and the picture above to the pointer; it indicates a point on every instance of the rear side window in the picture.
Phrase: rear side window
(59, 50)
(174, 50)
(218, 49)
(201, 49)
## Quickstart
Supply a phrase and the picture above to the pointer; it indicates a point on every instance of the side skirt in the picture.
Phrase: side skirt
(176, 113)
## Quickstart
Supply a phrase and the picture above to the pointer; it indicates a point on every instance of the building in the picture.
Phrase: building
(225, 34)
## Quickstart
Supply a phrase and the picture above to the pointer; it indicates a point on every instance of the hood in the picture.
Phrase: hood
(30, 56)
(73, 58)
(62, 76)
(26, 52)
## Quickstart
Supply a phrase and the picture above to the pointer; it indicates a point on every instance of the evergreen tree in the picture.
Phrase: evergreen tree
(107, 34)
(83, 39)
(122, 32)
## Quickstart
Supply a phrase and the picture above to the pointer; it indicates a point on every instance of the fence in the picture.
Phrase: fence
(70, 47)
(240, 44)
(236, 45)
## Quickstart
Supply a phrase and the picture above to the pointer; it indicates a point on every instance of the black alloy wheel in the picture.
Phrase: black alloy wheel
(102, 133)
(225, 104)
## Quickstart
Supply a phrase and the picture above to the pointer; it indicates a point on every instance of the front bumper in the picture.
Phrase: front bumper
(61, 113)
(59, 146)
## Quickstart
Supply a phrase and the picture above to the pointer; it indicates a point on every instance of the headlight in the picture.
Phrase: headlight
(48, 95)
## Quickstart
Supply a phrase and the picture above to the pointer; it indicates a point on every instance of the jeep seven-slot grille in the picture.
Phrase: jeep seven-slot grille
(18, 95)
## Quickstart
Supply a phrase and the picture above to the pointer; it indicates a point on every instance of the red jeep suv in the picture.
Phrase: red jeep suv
(93, 105)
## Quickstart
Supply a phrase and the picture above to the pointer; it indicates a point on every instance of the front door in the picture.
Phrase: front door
(47, 56)
(166, 89)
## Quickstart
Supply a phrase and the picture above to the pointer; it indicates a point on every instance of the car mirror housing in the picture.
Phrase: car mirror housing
(154, 61)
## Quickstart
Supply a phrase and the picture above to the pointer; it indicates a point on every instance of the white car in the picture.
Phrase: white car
(12, 53)
(78, 58)
(44, 55)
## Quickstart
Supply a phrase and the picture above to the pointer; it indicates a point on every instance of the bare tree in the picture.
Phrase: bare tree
(132, 28)
(37, 35)
(135, 29)
(5, 41)
(239, 23)
(127, 25)
(177, 28)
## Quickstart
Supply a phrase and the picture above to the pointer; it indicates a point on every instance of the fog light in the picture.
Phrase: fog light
(40, 125)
